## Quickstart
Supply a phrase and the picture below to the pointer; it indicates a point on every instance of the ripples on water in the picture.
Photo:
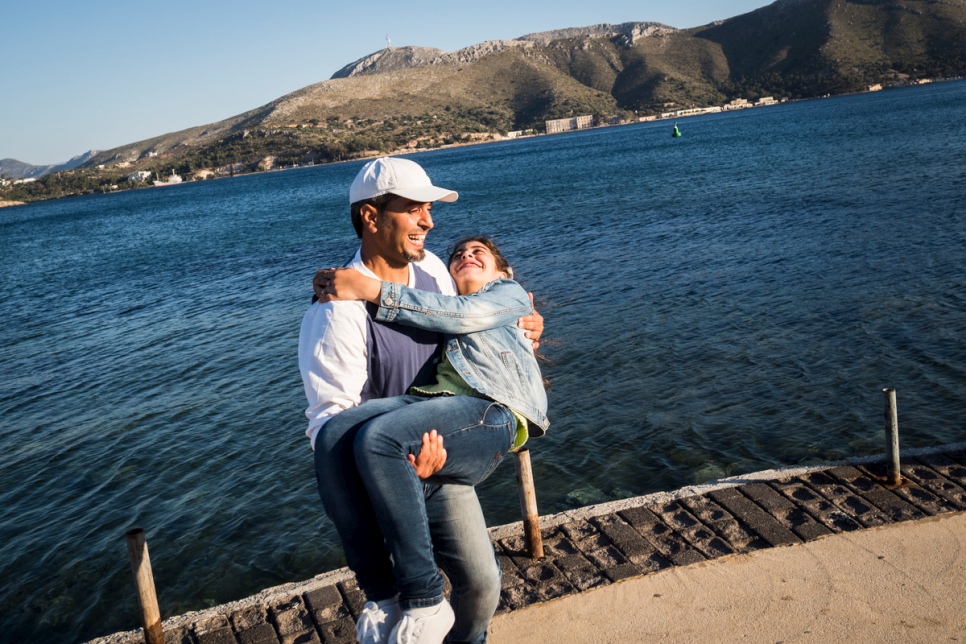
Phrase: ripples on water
(726, 302)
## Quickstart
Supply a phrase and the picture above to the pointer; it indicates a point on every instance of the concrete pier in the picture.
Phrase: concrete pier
(608, 568)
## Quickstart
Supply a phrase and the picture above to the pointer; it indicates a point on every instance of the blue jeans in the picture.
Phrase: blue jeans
(369, 491)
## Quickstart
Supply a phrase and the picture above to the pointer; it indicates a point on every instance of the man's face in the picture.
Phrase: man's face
(402, 227)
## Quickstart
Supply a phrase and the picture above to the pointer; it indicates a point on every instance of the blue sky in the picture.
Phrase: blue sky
(99, 74)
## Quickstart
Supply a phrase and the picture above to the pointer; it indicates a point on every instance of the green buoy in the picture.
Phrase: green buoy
(676, 132)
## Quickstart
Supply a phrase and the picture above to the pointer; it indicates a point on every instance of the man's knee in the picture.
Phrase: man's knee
(331, 436)
(484, 586)
(477, 580)
(475, 601)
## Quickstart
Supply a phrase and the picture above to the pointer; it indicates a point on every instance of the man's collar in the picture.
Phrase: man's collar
(360, 266)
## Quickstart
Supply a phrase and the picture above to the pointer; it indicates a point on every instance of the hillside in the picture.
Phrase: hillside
(409, 98)
(13, 169)
(815, 47)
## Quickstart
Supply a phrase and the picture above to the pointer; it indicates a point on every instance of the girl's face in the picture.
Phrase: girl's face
(473, 266)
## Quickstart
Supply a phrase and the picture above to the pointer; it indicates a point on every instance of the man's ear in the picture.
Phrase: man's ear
(369, 215)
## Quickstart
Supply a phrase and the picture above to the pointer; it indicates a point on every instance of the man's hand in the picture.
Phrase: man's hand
(533, 325)
(331, 284)
(431, 457)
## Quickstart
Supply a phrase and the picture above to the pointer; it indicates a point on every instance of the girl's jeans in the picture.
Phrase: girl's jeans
(381, 509)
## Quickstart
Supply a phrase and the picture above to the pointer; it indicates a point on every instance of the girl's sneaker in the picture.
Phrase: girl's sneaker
(424, 625)
(377, 620)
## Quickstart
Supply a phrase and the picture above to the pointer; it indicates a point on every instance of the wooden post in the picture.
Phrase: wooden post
(894, 478)
(528, 504)
(137, 549)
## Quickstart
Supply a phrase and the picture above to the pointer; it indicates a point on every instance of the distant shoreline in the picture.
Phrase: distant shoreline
(492, 137)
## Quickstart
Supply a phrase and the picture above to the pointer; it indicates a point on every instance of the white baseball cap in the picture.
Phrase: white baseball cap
(401, 177)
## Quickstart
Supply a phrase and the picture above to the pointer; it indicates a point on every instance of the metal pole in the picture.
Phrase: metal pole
(137, 548)
(528, 504)
(892, 436)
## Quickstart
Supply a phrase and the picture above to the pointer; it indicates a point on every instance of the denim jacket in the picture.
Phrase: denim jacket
(483, 342)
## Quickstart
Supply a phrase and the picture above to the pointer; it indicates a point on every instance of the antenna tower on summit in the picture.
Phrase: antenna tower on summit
(388, 42)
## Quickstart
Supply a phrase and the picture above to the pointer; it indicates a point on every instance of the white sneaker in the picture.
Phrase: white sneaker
(424, 625)
(377, 621)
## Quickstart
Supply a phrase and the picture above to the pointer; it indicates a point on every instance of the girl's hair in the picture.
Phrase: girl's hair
(501, 263)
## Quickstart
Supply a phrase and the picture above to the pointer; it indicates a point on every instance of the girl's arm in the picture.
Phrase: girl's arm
(499, 303)
(345, 284)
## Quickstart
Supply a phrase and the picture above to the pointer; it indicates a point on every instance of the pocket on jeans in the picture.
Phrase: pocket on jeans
(499, 415)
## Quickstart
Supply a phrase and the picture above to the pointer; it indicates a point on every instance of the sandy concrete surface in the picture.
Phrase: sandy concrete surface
(904, 582)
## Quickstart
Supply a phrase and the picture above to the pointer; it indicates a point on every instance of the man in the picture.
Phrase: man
(347, 358)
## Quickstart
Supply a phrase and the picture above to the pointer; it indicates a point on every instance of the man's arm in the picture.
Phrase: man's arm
(431, 456)
(332, 360)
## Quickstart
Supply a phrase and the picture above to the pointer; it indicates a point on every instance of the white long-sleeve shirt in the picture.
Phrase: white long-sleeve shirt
(333, 355)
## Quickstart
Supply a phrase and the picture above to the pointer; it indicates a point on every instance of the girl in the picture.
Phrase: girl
(487, 399)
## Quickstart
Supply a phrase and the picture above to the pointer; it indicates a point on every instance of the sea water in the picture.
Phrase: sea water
(720, 303)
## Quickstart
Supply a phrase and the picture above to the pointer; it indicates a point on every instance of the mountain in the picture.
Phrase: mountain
(395, 59)
(815, 47)
(408, 98)
(14, 169)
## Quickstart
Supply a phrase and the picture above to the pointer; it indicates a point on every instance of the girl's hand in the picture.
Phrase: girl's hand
(332, 284)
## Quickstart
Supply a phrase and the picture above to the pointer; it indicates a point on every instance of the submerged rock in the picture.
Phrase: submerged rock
(586, 496)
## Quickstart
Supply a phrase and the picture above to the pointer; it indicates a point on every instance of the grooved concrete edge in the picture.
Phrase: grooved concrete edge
(611, 507)
(283, 592)
(267, 596)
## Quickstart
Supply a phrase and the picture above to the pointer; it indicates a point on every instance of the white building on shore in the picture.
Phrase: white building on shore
(737, 104)
(691, 111)
(566, 125)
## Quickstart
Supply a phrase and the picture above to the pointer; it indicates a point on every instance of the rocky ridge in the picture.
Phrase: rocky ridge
(398, 58)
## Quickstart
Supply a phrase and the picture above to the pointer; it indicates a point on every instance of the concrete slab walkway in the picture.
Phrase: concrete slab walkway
(898, 583)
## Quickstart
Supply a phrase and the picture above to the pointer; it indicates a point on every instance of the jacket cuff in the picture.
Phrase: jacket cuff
(388, 301)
